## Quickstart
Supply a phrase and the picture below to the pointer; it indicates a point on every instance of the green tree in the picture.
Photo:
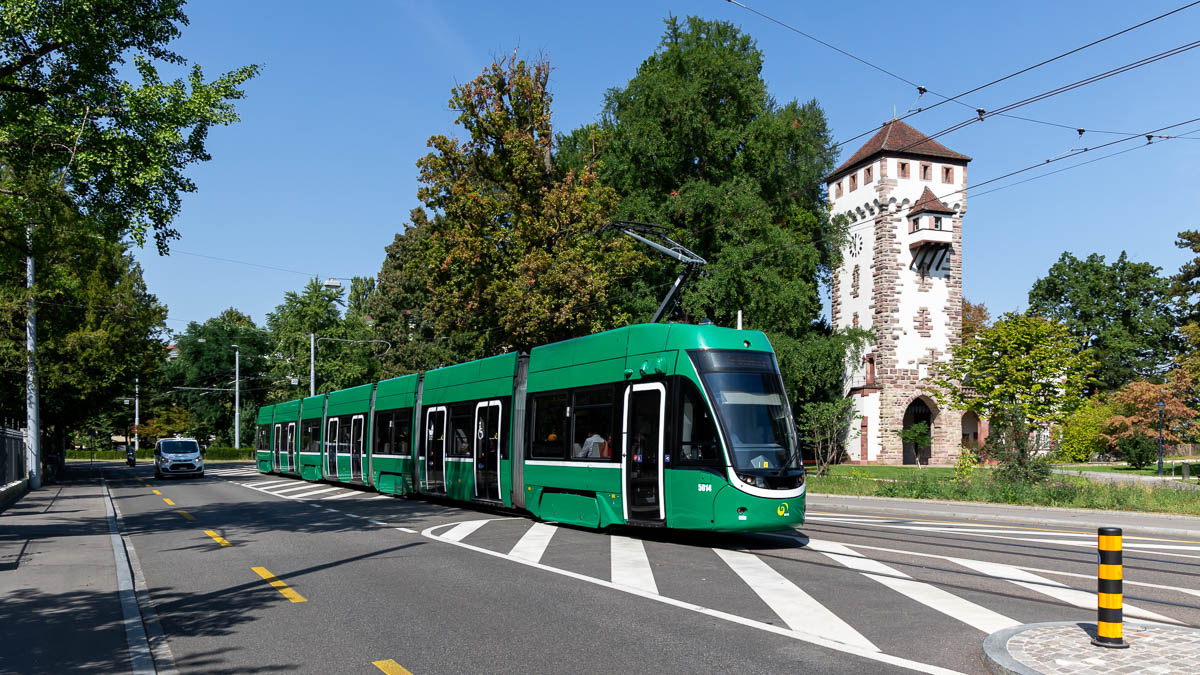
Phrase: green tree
(975, 317)
(919, 438)
(1185, 284)
(1121, 312)
(1022, 363)
(345, 357)
(512, 261)
(696, 143)
(1011, 442)
(72, 131)
(98, 329)
(822, 426)
(206, 366)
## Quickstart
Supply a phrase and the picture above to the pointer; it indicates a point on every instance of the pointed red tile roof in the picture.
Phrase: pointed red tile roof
(929, 204)
(897, 137)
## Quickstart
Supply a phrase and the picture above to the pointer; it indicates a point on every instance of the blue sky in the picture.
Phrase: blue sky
(320, 174)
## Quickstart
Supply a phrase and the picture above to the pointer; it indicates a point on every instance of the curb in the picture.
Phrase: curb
(881, 504)
(12, 493)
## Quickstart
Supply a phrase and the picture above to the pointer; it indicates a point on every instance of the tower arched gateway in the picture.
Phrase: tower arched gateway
(904, 195)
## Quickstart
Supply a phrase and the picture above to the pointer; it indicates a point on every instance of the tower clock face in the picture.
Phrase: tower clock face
(856, 244)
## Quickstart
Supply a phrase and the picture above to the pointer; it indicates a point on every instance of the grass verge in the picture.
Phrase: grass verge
(1061, 491)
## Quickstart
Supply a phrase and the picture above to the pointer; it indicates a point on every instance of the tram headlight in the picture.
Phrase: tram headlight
(751, 479)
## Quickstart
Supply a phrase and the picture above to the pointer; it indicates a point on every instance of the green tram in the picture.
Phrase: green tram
(654, 424)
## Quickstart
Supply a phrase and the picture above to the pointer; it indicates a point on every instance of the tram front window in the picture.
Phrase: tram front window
(749, 399)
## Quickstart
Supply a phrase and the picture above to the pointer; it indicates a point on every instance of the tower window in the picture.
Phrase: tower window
(916, 225)
(926, 171)
(937, 223)
(947, 174)
(867, 176)
(853, 182)
(838, 187)
(903, 168)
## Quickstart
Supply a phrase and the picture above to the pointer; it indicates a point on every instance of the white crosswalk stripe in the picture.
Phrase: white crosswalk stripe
(292, 488)
(929, 595)
(461, 530)
(534, 542)
(1052, 588)
(630, 566)
(799, 610)
(304, 495)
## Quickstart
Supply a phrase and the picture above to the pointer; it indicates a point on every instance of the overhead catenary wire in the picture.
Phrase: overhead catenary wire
(921, 89)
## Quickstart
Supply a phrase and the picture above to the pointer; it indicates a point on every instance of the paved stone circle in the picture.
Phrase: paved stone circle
(1064, 648)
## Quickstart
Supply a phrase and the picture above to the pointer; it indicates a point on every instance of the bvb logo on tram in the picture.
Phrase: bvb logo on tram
(782, 509)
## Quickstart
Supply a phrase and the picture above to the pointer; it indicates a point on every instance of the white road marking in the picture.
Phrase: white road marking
(262, 484)
(353, 515)
(1052, 588)
(534, 542)
(931, 596)
(306, 486)
(797, 609)
(630, 566)
(322, 491)
(376, 522)
(345, 493)
(871, 654)
(461, 530)
(405, 529)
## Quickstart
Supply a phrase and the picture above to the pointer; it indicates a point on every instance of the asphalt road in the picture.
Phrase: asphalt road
(436, 588)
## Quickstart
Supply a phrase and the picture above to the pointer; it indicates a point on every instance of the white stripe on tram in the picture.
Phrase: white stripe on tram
(461, 530)
(533, 543)
(797, 609)
(1052, 588)
(976, 616)
(630, 566)
(302, 495)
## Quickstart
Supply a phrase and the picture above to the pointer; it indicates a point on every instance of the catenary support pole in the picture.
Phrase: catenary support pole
(312, 364)
(33, 431)
(237, 398)
(1109, 628)
(137, 419)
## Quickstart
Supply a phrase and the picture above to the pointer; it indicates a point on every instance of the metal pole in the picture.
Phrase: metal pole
(137, 420)
(1160, 425)
(312, 364)
(237, 398)
(33, 440)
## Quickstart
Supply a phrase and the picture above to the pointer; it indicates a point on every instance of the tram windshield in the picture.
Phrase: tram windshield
(748, 395)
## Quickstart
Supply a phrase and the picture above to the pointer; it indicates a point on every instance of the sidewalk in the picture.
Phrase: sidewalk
(61, 599)
(1075, 519)
(1065, 648)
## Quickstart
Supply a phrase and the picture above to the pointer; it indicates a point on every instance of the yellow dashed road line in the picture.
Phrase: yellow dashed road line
(217, 538)
(279, 585)
(185, 514)
(156, 492)
(168, 501)
(391, 667)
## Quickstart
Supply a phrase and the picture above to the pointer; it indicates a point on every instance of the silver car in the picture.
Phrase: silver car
(178, 457)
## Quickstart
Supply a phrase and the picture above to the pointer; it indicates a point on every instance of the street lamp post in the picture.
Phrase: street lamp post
(1160, 426)
(237, 400)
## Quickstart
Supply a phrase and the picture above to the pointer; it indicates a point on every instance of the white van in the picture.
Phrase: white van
(178, 457)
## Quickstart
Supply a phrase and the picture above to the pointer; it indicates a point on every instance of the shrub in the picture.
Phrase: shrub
(964, 468)
(1139, 450)
(1011, 445)
(1081, 438)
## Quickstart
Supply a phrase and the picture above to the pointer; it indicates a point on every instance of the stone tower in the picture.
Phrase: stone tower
(904, 195)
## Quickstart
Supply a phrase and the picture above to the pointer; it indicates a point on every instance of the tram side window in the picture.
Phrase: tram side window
(262, 438)
(383, 433)
(461, 425)
(592, 423)
(401, 430)
(549, 426)
(699, 444)
(310, 435)
(331, 436)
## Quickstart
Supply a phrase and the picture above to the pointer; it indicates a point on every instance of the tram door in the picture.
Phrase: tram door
(642, 450)
(357, 441)
(487, 450)
(331, 440)
(276, 444)
(435, 449)
(290, 452)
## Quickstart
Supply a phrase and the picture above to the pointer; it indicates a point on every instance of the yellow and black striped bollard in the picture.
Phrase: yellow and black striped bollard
(1108, 590)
